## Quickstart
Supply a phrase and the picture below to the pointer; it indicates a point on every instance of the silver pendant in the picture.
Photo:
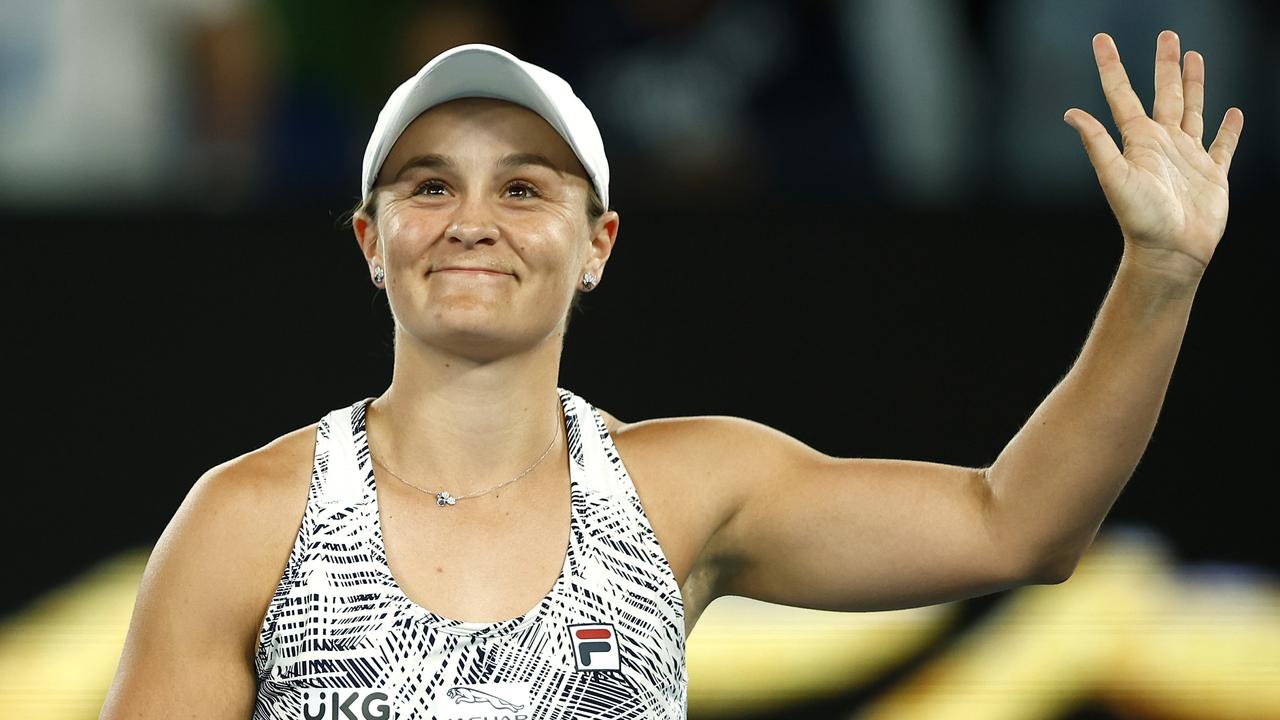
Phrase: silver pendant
(443, 498)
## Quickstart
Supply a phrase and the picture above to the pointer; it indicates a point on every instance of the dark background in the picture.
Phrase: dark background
(888, 256)
(862, 330)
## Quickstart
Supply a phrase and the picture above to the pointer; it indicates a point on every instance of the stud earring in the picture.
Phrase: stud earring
(588, 280)
(378, 275)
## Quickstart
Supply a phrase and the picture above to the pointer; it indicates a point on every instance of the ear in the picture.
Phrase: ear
(366, 232)
(602, 242)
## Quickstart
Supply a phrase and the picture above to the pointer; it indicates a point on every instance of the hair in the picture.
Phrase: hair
(594, 208)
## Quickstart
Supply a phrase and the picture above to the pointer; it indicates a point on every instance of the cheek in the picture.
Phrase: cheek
(390, 228)
(553, 252)
(392, 225)
(404, 238)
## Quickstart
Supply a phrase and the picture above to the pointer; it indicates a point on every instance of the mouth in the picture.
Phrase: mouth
(471, 271)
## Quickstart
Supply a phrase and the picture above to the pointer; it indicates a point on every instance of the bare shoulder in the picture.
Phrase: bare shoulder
(263, 495)
(254, 504)
(686, 431)
(613, 423)
(693, 474)
(712, 446)
(696, 468)
(278, 466)
(262, 492)
(207, 584)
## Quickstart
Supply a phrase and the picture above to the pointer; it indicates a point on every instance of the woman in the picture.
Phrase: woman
(477, 541)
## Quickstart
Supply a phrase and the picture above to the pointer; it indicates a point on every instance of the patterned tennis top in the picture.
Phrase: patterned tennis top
(340, 640)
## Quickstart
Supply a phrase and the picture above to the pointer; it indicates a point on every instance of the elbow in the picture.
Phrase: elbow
(1052, 571)
(1056, 577)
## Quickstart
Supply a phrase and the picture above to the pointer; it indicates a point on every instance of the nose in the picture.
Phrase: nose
(472, 226)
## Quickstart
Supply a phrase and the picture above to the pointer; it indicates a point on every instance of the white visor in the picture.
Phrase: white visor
(479, 70)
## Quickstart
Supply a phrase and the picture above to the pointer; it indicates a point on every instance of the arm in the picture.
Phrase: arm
(857, 534)
(863, 534)
(849, 534)
(189, 648)
(1058, 477)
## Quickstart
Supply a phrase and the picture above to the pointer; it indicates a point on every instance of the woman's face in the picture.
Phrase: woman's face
(465, 185)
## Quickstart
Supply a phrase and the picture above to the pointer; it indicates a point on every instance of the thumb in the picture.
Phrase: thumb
(1072, 117)
(1097, 141)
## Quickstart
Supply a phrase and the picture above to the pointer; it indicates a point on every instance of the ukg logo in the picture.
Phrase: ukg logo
(595, 647)
(346, 704)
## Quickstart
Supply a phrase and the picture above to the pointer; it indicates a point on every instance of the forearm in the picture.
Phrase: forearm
(1055, 481)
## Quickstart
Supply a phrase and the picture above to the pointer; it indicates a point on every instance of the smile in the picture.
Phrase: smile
(477, 273)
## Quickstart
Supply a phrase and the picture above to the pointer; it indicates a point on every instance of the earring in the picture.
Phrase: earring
(378, 275)
(588, 280)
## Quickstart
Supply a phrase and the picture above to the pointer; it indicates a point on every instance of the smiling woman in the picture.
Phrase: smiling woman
(463, 177)
(478, 541)
(594, 207)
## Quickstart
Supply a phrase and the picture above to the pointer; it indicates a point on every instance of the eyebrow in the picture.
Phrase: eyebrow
(435, 161)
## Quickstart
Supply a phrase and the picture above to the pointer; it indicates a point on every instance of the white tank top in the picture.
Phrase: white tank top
(341, 640)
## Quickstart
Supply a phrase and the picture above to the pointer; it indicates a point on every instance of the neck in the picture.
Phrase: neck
(463, 425)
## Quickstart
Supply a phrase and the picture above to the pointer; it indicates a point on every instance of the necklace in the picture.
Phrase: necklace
(444, 499)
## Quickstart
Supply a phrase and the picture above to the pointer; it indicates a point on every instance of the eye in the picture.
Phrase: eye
(524, 187)
(427, 184)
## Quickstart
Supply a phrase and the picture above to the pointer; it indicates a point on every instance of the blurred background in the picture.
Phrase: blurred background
(879, 234)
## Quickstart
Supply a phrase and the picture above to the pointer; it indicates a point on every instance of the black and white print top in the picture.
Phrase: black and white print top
(341, 641)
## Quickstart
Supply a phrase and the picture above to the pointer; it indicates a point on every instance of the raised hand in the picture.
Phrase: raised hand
(1168, 194)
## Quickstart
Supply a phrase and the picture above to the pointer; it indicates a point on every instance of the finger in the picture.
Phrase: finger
(1224, 145)
(1193, 96)
(1103, 153)
(1125, 105)
(1168, 106)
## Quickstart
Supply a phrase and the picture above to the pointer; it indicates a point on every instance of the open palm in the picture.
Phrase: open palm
(1168, 193)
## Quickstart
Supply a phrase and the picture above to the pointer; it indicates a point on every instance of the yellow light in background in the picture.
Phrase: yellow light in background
(1127, 629)
(1210, 650)
(1039, 654)
(745, 655)
(1124, 626)
(58, 656)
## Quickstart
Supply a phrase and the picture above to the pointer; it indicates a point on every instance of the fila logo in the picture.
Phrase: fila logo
(346, 704)
(595, 647)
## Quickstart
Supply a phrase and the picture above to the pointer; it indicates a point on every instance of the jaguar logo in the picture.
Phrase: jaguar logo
(471, 695)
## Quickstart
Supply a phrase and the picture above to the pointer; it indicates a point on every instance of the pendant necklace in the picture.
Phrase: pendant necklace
(444, 499)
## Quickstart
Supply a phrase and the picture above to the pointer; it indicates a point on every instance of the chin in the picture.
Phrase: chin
(467, 331)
